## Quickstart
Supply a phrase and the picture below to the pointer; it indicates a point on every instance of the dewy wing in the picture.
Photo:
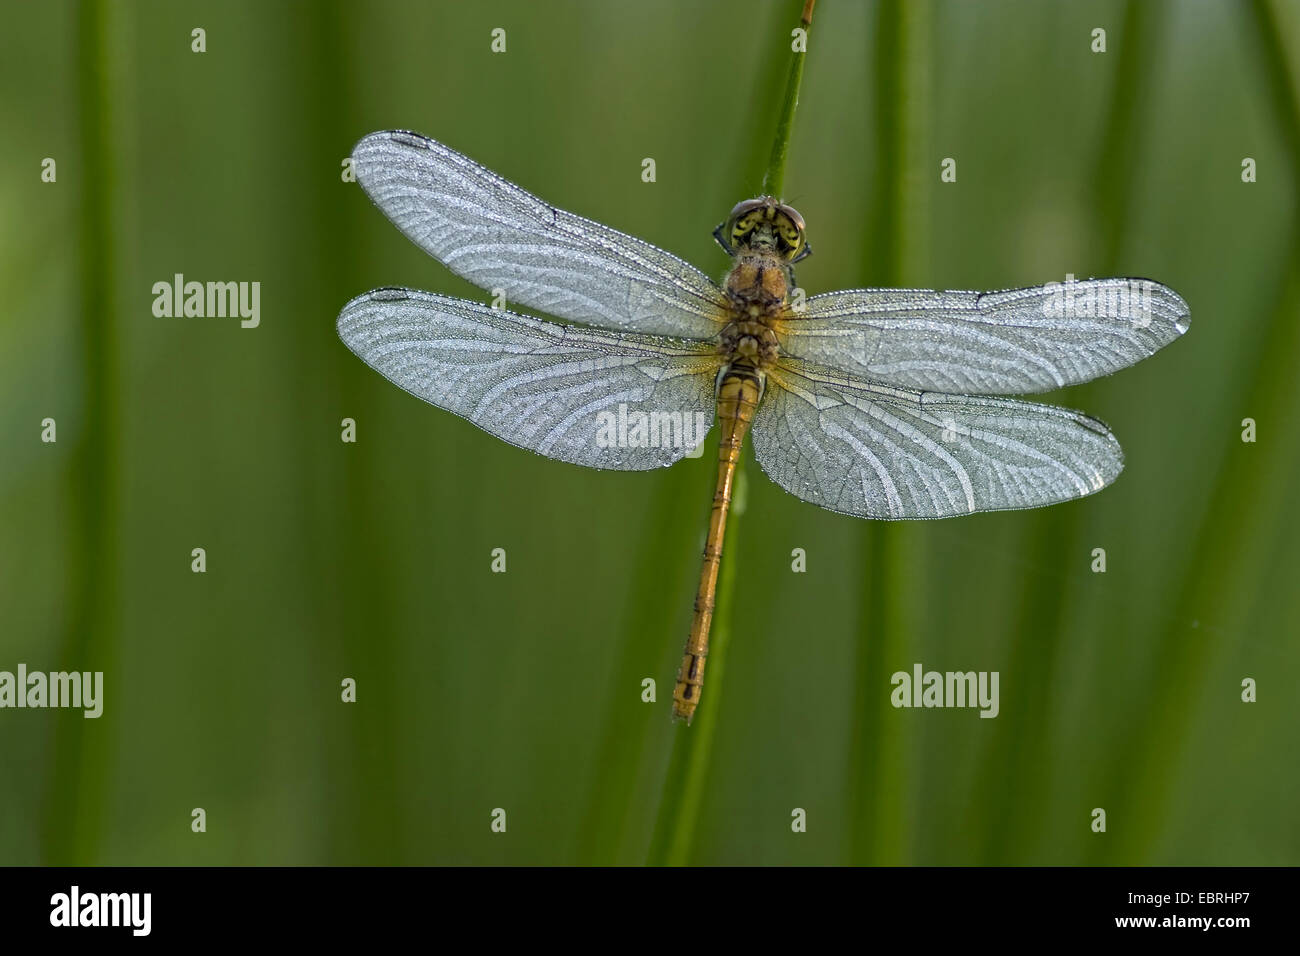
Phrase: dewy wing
(987, 343)
(534, 384)
(877, 452)
(499, 236)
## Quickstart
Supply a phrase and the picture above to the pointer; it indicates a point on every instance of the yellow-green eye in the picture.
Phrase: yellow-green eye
(744, 225)
(767, 224)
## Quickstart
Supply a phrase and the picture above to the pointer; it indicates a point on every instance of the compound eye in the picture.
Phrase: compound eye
(743, 227)
(791, 235)
(793, 215)
(744, 206)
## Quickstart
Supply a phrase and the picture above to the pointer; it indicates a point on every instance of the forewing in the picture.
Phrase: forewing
(880, 452)
(499, 236)
(987, 343)
(576, 395)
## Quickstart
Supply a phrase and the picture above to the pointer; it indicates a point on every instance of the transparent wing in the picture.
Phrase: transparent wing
(987, 343)
(499, 236)
(880, 452)
(601, 399)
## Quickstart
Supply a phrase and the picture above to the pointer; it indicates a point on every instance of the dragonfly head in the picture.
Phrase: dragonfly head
(765, 225)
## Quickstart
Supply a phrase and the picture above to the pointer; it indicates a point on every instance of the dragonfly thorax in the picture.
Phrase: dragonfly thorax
(750, 342)
(758, 285)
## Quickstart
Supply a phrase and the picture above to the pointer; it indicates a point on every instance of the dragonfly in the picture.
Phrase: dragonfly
(876, 403)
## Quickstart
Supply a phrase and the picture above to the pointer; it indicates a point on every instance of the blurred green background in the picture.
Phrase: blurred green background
(522, 690)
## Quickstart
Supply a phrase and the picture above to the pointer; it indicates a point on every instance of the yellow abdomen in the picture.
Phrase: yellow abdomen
(738, 397)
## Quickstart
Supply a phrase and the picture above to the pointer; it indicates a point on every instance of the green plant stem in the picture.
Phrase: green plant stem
(774, 179)
(79, 757)
(688, 768)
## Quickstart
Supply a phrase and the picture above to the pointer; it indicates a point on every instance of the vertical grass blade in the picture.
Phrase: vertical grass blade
(349, 541)
(675, 826)
(688, 769)
(79, 764)
(774, 179)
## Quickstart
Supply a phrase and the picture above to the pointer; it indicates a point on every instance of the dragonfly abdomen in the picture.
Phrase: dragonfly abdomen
(739, 391)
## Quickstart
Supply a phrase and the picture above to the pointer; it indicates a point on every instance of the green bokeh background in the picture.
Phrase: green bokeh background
(523, 691)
